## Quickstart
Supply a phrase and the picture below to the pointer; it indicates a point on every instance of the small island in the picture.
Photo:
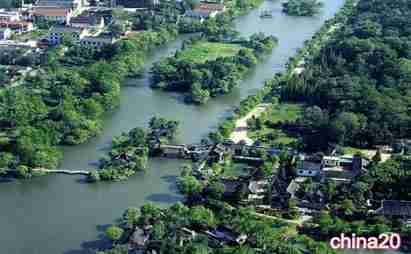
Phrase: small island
(130, 151)
(302, 7)
(207, 68)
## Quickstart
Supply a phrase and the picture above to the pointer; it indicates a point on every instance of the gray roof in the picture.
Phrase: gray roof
(66, 29)
(197, 14)
(395, 208)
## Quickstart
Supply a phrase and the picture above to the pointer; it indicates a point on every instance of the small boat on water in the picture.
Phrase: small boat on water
(266, 14)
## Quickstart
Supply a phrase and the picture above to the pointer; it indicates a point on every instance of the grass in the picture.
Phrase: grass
(201, 52)
(32, 35)
(235, 170)
(285, 112)
(278, 113)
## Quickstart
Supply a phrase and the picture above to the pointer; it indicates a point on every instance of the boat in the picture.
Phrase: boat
(266, 14)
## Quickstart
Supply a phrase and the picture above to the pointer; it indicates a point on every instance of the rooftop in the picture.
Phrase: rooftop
(395, 208)
(51, 11)
(92, 20)
(210, 7)
(66, 29)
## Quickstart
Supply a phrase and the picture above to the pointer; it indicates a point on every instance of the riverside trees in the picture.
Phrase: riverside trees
(130, 151)
(63, 103)
(360, 80)
(302, 7)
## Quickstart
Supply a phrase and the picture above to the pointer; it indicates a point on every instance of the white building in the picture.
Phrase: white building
(97, 42)
(56, 34)
(9, 16)
(88, 22)
(55, 14)
(5, 33)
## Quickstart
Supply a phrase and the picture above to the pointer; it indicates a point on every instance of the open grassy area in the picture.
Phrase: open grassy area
(236, 170)
(200, 52)
(284, 112)
(277, 113)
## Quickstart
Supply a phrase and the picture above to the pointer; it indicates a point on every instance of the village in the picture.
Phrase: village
(239, 189)
(27, 32)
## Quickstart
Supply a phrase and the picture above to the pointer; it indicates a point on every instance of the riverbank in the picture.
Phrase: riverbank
(67, 203)
(240, 130)
(295, 66)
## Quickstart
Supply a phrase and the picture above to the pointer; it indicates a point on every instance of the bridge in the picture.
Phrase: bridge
(55, 171)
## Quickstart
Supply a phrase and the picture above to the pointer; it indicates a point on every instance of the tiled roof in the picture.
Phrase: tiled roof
(51, 11)
(395, 208)
(210, 7)
(92, 20)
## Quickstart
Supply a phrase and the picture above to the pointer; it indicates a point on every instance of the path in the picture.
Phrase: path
(240, 131)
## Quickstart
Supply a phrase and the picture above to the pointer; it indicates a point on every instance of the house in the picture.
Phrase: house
(88, 21)
(69, 4)
(205, 11)
(97, 42)
(308, 166)
(345, 165)
(5, 33)
(54, 14)
(196, 15)
(395, 208)
(56, 34)
(138, 239)
(212, 8)
(17, 26)
(9, 16)
(279, 193)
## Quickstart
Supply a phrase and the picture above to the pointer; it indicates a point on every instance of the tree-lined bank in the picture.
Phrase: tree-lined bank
(102, 202)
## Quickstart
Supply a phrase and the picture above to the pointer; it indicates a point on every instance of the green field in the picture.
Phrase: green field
(200, 52)
(275, 114)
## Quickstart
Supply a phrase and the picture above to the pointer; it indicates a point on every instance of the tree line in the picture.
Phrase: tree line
(64, 103)
(200, 81)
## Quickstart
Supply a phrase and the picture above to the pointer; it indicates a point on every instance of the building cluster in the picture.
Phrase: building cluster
(205, 10)
(85, 25)
(341, 167)
(13, 22)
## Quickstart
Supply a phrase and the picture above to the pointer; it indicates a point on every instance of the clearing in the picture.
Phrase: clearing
(277, 113)
(200, 52)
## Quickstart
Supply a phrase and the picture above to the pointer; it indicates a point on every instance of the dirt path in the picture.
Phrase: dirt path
(240, 130)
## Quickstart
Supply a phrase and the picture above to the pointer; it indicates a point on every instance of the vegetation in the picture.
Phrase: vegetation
(358, 84)
(217, 74)
(203, 51)
(267, 128)
(165, 226)
(64, 102)
(130, 151)
(302, 7)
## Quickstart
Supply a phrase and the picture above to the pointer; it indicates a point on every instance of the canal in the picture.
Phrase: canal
(60, 214)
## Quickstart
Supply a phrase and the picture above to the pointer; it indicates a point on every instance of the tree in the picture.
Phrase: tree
(114, 233)
(203, 217)
(67, 40)
(216, 190)
(189, 185)
(199, 95)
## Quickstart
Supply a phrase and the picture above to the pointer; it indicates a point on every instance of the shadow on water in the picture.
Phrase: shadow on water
(90, 247)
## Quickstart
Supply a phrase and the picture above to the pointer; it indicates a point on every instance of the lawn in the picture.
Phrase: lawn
(200, 52)
(236, 170)
(284, 112)
(277, 113)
